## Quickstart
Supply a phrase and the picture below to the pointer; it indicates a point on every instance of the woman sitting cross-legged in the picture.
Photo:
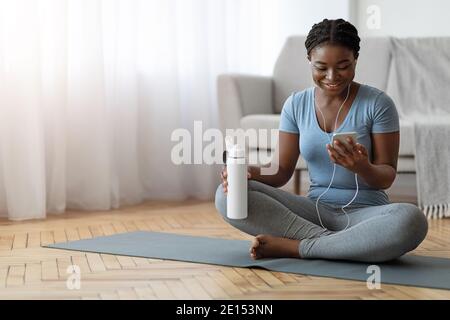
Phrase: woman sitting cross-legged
(322, 225)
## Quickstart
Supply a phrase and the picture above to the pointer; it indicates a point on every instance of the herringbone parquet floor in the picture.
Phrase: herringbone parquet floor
(28, 271)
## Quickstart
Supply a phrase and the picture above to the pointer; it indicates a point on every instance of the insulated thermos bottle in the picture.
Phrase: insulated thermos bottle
(237, 183)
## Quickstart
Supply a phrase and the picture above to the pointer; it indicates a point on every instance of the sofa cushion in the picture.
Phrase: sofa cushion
(406, 138)
(374, 62)
(406, 165)
(263, 157)
(262, 121)
(272, 121)
(292, 71)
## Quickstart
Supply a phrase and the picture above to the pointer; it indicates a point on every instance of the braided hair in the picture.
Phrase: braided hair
(337, 31)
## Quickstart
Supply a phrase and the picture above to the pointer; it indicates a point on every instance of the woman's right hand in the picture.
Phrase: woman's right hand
(224, 176)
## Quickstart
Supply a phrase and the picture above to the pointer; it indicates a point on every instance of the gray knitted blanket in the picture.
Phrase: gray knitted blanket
(419, 84)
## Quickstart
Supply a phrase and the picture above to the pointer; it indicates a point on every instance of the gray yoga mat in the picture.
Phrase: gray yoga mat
(408, 270)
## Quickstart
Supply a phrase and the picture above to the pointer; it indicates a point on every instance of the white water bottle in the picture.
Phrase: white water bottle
(237, 183)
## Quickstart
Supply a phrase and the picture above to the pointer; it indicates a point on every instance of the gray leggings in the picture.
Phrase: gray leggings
(375, 233)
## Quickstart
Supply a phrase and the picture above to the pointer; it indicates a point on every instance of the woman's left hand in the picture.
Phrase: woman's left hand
(353, 157)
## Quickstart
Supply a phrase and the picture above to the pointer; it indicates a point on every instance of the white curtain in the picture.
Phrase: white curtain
(91, 90)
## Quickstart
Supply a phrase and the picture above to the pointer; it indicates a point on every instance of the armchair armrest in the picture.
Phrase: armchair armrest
(241, 95)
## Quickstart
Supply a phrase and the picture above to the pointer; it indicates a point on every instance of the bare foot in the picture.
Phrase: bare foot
(267, 246)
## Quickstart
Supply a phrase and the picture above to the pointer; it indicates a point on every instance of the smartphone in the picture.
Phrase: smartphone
(342, 137)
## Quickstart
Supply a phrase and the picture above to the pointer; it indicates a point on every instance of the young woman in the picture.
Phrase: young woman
(370, 229)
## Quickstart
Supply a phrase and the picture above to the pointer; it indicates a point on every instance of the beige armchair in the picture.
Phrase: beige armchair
(254, 102)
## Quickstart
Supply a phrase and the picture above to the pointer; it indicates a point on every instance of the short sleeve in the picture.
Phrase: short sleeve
(287, 120)
(385, 115)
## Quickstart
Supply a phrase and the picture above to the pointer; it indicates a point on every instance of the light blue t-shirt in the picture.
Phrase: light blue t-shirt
(372, 111)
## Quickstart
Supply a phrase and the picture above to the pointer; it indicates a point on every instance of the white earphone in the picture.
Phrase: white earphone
(334, 168)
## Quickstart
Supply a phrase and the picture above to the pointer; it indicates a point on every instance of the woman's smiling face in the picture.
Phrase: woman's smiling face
(333, 67)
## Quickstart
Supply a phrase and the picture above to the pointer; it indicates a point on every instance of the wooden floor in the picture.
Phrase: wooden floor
(28, 271)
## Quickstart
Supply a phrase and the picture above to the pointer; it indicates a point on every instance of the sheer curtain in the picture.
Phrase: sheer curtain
(91, 90)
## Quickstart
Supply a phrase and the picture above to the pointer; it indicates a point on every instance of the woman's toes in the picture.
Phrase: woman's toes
(255, 243)
(253, 252)
(256, 247)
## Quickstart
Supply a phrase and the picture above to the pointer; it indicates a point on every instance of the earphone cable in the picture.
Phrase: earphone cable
(334, 168)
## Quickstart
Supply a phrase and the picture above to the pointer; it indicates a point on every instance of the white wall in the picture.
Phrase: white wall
(283, 18)
(300, 15)
(405, 18)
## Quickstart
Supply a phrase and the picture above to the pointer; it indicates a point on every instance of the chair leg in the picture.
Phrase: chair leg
(297, 181)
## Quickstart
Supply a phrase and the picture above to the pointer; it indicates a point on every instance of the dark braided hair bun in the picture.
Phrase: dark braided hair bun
(338, 32)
